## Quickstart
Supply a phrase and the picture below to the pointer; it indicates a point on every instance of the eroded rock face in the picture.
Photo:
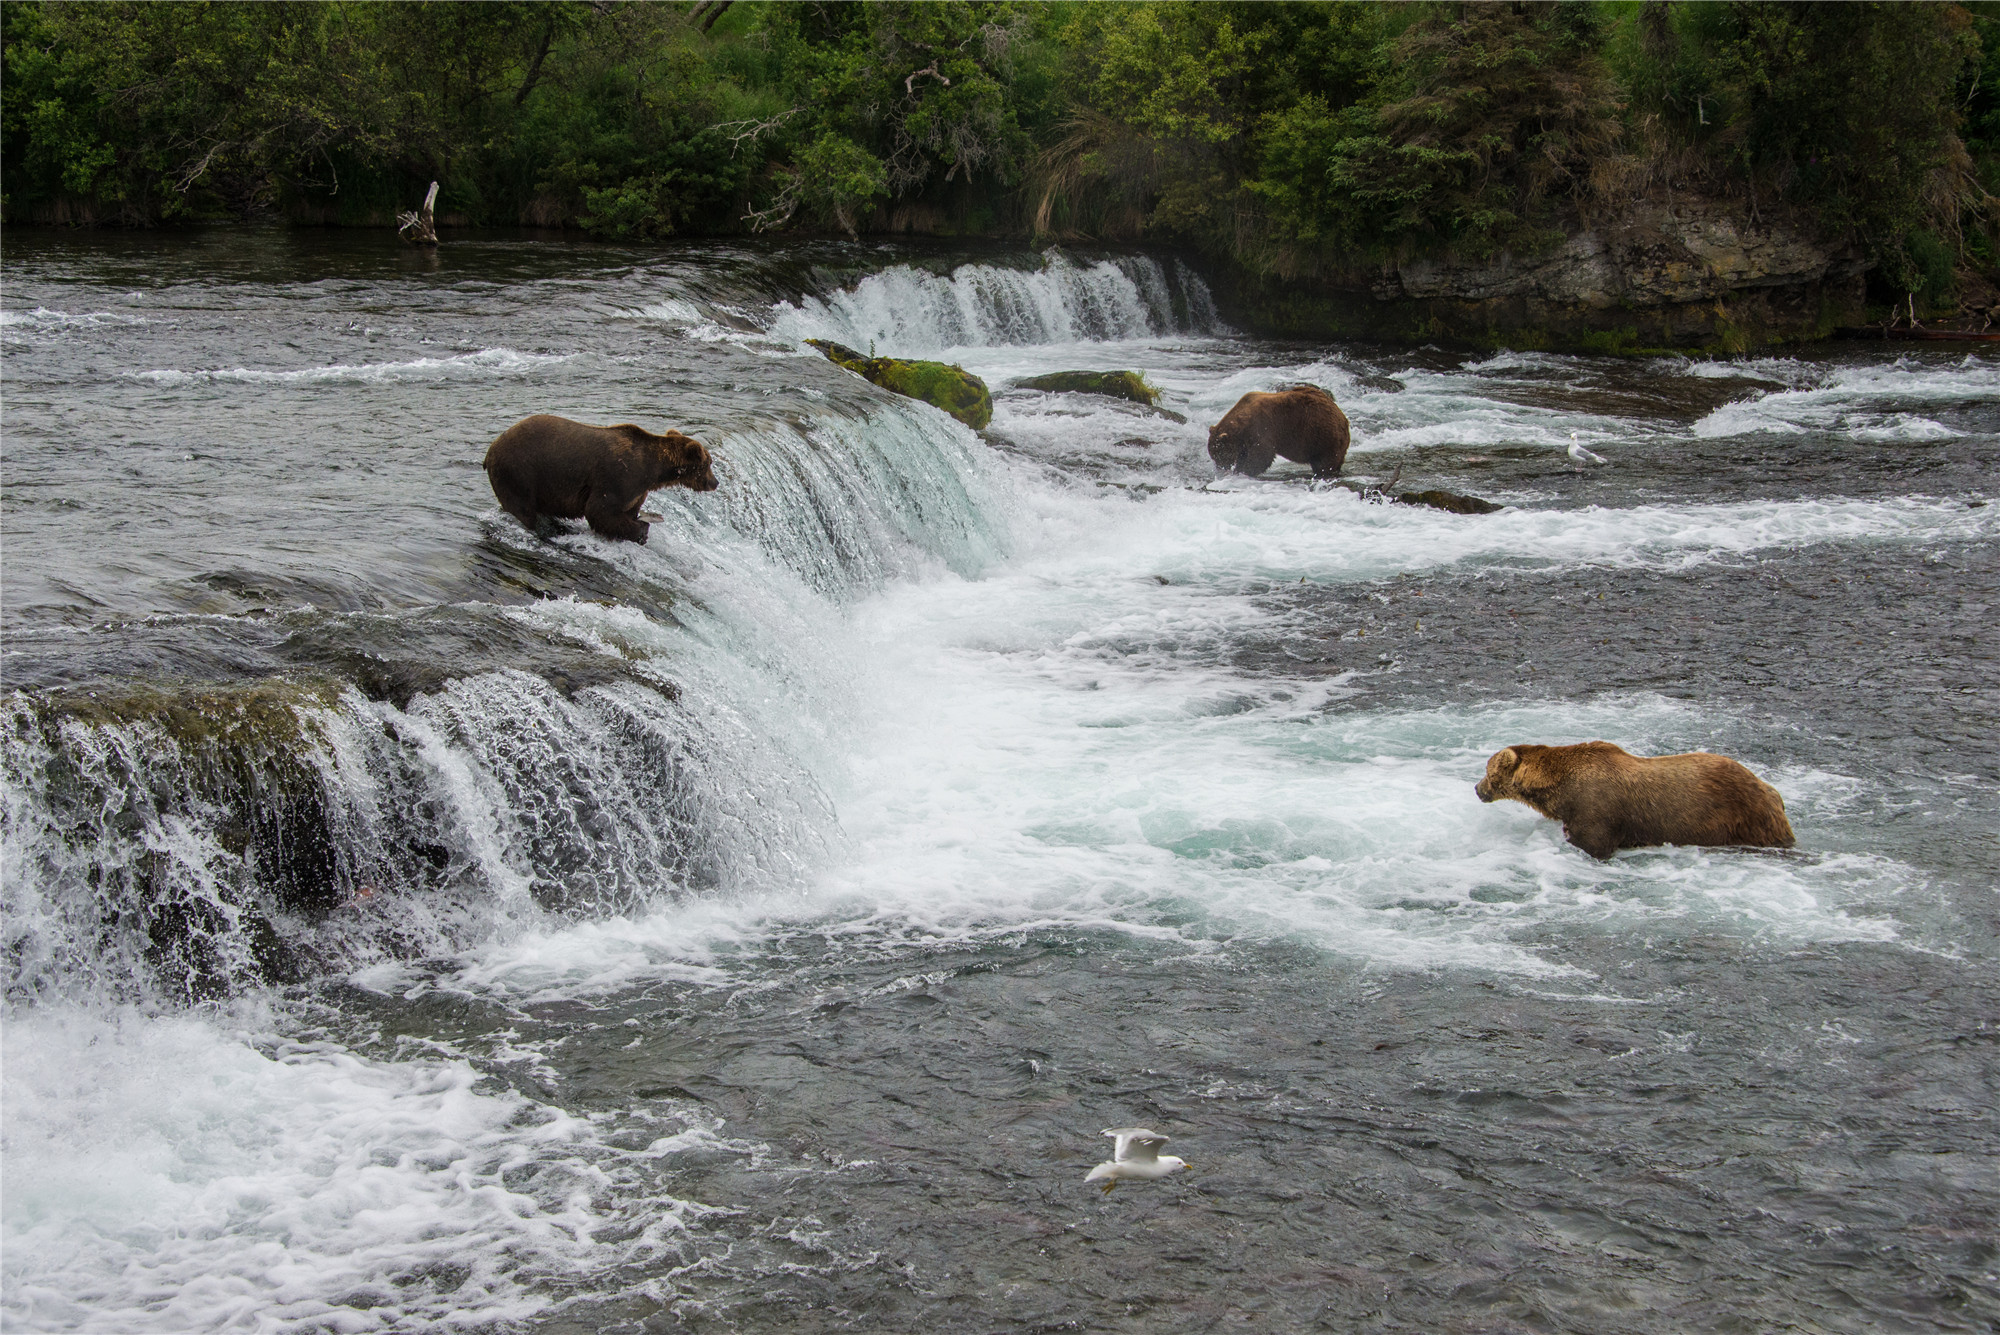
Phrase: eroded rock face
(952, 388)
(1657, 254)
(1685, 272)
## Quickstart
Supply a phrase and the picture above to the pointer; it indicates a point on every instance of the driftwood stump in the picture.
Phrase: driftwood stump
(420, 228)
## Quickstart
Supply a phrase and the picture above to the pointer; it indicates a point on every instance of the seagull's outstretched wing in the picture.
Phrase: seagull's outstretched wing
(1135, 1144)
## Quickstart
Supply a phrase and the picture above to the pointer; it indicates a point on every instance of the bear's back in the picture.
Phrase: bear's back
(1695, 797)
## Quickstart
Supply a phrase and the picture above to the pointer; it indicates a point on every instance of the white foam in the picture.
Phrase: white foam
(43, 318)
(489, 361)
(1787, 371)
(1862, 401)
(1245, 533)
(908, 311)
(1060, 743)
(1012, 792)
(182, 1173)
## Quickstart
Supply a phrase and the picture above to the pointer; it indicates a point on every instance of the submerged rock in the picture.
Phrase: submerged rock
(952, 388)
(1385, 493)
(1449, 500)
(1116, 384)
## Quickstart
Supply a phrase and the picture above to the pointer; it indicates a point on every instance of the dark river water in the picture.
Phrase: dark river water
(412, 924)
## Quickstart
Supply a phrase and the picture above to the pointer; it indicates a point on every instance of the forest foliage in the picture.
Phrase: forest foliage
(1292, 137)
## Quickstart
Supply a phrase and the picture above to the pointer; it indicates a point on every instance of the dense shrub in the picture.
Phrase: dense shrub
(1291, 136)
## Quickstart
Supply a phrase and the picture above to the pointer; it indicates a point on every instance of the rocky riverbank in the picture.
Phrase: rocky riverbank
(1686, 272)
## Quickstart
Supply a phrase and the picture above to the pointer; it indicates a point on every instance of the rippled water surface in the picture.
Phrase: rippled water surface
(414, 924)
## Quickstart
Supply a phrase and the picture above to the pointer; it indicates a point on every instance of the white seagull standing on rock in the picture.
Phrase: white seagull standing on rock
(1136, 1155)
(1580, 454)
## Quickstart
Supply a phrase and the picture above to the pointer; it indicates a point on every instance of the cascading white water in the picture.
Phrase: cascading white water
(674, 848)
(495, 799)
(845, 502)
(909, 311)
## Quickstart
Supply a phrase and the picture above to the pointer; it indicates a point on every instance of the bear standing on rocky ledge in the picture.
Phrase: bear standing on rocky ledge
(1608, 798)
(545, 466)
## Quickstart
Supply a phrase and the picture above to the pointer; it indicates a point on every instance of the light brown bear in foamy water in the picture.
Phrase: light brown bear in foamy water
(1608, 799)
(1303, 424)
(545, 466)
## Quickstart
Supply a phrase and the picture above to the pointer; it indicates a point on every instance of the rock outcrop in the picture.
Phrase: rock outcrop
(1455, 502)
(952, 388)
(1690, 272)
(1117, 384)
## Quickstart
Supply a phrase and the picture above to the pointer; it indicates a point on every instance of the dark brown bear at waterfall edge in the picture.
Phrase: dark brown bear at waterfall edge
(1608, 798)
(550, 467)
(1303, 424)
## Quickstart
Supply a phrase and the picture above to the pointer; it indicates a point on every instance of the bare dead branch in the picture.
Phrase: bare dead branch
(752, 130)
(930, 69)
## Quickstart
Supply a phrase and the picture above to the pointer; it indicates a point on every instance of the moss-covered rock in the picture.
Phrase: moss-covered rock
(952, 388)
(1117, 384)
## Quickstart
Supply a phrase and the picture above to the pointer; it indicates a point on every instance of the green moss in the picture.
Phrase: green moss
(839, 354)
(1610, 342)
(1729, 338)
(267, 712)
(952, 388)
(1116, 384)
(244, 767)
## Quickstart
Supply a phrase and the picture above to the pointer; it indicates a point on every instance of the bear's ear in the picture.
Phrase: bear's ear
(681, 449)
(1508, 758)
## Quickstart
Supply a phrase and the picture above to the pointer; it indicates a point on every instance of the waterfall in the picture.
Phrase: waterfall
(165, 847)
(409, 784)
(910, 311)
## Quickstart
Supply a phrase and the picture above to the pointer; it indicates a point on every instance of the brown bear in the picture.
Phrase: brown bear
(1303, 423)
(545, 466)
(1608, 798)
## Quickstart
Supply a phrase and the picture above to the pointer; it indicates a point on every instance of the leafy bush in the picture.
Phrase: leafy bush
(837, 178)
(1292, 136)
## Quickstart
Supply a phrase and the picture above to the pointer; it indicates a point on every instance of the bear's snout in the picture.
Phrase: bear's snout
(1485, 793)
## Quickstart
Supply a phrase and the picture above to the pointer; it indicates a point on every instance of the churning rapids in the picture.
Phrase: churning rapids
(415, 925)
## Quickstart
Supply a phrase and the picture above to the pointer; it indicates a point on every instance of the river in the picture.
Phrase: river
(413, 924)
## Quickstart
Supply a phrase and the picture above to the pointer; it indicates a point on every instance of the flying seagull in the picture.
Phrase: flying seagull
(1136, 1155)
(1580, 454)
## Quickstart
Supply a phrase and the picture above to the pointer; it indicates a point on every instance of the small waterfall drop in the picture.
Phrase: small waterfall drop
(154, 858)
(911, 311)
(412, 784)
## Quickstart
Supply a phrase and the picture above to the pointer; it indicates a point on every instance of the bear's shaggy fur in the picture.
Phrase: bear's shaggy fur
(1608, 798)
(545, 466)
(1303, 424)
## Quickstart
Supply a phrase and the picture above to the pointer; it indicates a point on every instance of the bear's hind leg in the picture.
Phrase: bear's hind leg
(516, 502)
